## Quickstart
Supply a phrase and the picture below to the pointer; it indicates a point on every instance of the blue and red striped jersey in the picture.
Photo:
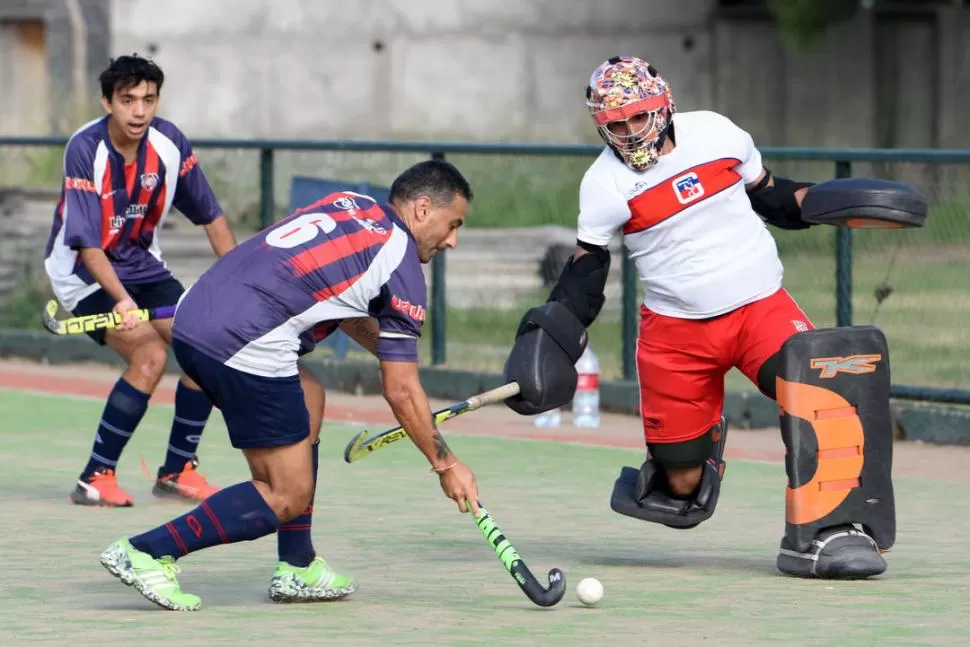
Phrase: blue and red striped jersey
(119, 207)
(277, 294)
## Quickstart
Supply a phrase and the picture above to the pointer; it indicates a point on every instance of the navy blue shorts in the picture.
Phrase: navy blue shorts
(156, 294)
(259, 411)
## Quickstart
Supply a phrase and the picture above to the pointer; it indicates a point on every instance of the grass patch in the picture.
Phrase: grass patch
(923, 319)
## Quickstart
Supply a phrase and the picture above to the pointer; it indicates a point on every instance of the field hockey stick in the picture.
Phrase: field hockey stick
(361, 446)
(542, 596)
(97, 321)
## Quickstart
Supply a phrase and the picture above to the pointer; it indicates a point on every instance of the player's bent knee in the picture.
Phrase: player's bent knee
(295, 493)
(646, 494)
(150, 359)
(294, 504)
(289, 498)
(146, 364)
(683, 481)
(678, 485)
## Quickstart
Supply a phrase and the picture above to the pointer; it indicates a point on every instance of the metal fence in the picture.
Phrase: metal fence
(840, 246)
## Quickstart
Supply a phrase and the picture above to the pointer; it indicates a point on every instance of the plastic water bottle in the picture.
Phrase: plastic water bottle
(586, 402)
(548, 420)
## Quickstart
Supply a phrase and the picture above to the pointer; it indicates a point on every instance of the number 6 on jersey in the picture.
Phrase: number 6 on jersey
(301, 229)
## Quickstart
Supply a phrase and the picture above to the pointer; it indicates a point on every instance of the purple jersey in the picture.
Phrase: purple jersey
(277, 294)
(119, 208)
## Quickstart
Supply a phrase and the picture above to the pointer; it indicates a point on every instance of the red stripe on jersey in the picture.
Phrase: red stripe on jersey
(334, 290)
(312, 207)
(107, 210)
(335, 249)
(375, 213)
(154, 210)
(684, 190)
(151, 220)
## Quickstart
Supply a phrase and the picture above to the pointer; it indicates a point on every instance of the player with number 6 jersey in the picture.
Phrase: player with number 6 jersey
(343, 261)
(342, 257)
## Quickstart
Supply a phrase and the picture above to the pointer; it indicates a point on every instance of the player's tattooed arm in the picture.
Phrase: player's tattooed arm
(441, 449)
(364, 331)
(408, 401)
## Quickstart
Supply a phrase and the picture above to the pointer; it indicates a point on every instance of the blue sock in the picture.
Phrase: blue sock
(237, 513)
(192, 409)
(294, 543)
(122, 412)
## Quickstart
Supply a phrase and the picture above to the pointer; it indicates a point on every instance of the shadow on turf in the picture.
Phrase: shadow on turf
(764, 565)
(660, 556)
(462, 550)
(128, 599)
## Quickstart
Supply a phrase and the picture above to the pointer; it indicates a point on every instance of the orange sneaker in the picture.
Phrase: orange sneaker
(187, 485)
(101, 489)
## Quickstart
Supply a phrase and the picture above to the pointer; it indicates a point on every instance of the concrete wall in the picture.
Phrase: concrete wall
(488, 70)
(494, 70)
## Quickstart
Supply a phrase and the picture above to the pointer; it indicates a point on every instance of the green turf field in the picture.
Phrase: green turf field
(426, 575)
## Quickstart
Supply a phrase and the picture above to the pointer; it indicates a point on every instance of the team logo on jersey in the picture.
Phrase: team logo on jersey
(688, 187)
(346, 204)
(413, 311)
(637, 189)
(350, 206)
(149, 181)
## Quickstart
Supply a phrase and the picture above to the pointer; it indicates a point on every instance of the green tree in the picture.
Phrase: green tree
(803, 21)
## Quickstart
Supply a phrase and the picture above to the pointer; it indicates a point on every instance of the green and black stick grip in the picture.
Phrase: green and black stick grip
(541, 595)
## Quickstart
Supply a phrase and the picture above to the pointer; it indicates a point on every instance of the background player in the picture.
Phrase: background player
(687, 191)
(122, 175)
(239, 331)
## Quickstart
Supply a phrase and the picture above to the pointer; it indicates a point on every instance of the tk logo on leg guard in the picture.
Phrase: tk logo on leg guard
(829, 367)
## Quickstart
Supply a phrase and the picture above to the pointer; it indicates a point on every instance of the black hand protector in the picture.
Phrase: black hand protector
(548, 343)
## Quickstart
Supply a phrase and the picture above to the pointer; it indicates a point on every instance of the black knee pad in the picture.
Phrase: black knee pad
(687, 454)
(644, 494)
(767, 375)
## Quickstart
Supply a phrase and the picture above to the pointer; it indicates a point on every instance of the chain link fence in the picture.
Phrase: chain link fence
(911, 283)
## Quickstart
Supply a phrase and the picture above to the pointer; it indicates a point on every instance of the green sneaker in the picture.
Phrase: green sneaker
(314, 583)
(153, 578)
